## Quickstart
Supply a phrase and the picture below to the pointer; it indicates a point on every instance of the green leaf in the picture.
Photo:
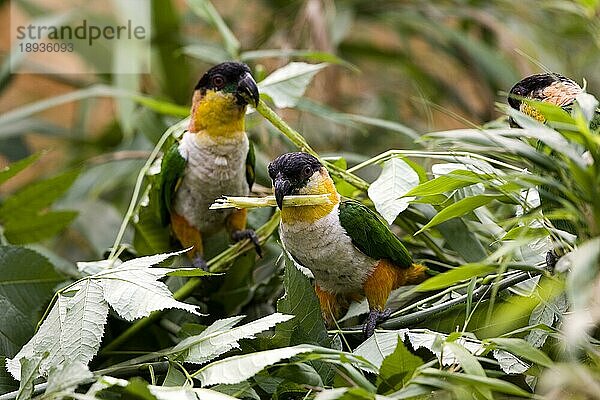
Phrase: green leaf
(239, 368)
(469, 364)
(11, 170)
(174, 376)
(222, 336)
(29, 228)
(397, 369)
(520, 232)
(387, 191)
(37, 196)
(301, 301)
(150, 236)
(287, 84)
(522, 348)
(27, 281)
(458, 209)
(446, 183)
(74, 327)
(453, 276)
(133, 289)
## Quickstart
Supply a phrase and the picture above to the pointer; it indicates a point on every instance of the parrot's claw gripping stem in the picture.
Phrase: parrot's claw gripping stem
(551, 260)
(248, 234)
(373, 318)
(198, 262)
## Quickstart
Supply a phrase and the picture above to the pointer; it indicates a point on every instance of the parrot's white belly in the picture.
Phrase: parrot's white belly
(213, 169)
(327, 251)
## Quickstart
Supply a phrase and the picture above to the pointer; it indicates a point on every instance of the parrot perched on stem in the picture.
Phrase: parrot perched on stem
(213, 158)
(560, 91)
(550, 88)
(350, 251)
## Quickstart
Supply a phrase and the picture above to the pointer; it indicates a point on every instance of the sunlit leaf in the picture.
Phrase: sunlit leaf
(287, 84)
(387, 191)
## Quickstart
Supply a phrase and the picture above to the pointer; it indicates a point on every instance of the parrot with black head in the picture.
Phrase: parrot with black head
(349, 249)
(213, 158)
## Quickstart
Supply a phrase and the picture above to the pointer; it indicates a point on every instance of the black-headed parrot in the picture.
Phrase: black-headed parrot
(213, 158)
(348, 248)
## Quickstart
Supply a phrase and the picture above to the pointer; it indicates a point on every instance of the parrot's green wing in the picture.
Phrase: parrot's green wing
(171, 171)
(371, 235)
(250, 163)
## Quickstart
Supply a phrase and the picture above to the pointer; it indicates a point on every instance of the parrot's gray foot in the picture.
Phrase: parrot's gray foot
(198, 262)
(551, 260)
(373, 318)
(248, 234)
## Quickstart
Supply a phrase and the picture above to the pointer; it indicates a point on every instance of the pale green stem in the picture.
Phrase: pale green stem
(444, 155)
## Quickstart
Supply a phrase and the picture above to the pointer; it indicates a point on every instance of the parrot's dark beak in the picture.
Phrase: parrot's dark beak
(248, 90)
(283, 187)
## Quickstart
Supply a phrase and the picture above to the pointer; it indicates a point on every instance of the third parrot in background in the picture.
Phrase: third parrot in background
(349, 249)
(213, 158)
(562, 92)
(550, 88)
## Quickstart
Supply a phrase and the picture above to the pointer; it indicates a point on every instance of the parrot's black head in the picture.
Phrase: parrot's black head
(231, 77)
(551, 88)
(532, 87)
(291, 172)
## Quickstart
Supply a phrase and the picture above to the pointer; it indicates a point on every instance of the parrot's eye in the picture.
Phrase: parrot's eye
(218, 81)
(307, 172)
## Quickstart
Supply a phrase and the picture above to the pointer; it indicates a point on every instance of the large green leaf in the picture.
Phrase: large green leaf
(29, 228)
(301, 301)
(74, 326)
(397, 369)
(37, 196)
(27, 281)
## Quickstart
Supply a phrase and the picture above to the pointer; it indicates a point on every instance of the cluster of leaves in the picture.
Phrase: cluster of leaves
(121, 329)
